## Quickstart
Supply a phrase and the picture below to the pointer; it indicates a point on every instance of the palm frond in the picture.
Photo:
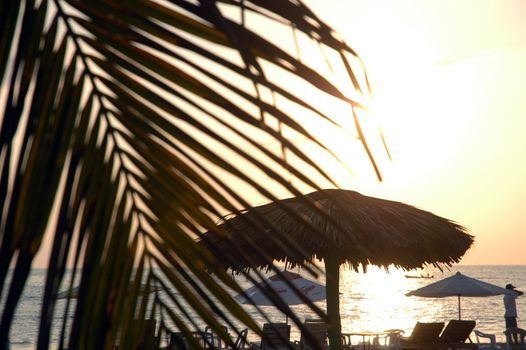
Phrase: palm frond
(127, 129)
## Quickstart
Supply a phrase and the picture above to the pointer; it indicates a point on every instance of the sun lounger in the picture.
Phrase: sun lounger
(423, 333)
(315, 336)
(457, 332)
(241, 341)
(207, 339)
(212, 340)
(454, 336)
(177, 341)
(276, 336)
(142, 335)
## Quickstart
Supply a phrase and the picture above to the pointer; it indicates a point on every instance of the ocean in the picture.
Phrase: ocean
(372, 301)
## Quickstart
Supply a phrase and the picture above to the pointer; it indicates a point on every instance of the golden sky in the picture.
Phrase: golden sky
(449, 82)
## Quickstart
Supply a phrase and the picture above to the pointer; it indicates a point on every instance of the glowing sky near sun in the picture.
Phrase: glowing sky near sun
(449, 80)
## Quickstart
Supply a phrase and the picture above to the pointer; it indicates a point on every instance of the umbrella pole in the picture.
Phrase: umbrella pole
(332, 286)
(459, 307)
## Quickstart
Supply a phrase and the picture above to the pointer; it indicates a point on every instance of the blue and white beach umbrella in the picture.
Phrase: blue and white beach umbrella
(311, 290)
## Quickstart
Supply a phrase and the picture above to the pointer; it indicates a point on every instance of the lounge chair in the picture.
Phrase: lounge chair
(515, 338)
(423, 333)
(276, 336)
(454, 336)
(314, 336)
(216, 343)
(212, 340)
(457, 331)
(142, 335)
(177, 341)
(492, 345)
(207, 339)
(241, 341)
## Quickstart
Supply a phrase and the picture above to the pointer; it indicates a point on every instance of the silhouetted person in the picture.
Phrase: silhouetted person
(510, 306)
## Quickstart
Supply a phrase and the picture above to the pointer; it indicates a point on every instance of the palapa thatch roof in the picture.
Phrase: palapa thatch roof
(353, 228)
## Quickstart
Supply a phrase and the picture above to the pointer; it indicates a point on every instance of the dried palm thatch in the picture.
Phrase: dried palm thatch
(346, 225)
(340, 227)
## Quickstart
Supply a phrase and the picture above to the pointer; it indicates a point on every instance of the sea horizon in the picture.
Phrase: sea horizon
(372, 301)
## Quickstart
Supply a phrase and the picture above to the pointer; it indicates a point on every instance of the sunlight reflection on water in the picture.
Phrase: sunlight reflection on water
(376, 301)
(372, 301)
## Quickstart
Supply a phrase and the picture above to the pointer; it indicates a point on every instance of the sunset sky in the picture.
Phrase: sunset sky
(449, 82)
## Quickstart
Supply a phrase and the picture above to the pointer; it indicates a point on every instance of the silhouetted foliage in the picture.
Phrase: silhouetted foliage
(127, 129)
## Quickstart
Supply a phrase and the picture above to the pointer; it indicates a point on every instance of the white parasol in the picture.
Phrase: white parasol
(311, 290)
(459, 285)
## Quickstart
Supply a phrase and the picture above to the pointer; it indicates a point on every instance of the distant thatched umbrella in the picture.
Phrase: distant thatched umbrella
(341, 227)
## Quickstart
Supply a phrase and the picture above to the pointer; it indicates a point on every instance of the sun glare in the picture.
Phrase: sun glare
(364, 296)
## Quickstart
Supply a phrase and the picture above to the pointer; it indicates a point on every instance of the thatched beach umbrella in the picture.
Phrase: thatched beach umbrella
(340, 227)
